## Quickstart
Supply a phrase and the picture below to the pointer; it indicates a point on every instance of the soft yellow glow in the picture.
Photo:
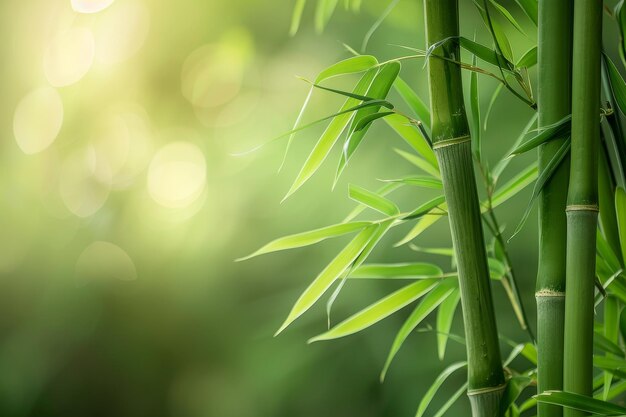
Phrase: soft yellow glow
(212, 74)
(81, 191)
(104, 261)
(177, 175)
(37, 120)
(122, 146)
(69, 57)
(121, 31)
(90, 6)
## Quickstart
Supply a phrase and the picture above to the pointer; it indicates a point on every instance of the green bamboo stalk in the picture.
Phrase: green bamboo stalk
(582, 200)
(451, 141)
(554, 102)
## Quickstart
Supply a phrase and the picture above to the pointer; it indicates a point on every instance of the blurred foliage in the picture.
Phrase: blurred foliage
(123, 210)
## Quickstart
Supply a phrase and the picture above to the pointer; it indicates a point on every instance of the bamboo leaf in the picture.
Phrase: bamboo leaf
(480, 51)
(492, 101)
(454, 398)
(377, 23)
(412, 99)
(620, 209)
(606, 345)
(515, 185)
(445, 315)
(423, 309)
(367, 120)
(499, 36)
(529, 59)
(378, 311)
(296, 16)
(514, 388)
(373, 200)
(430, 394)
(581, 402)
(618, 85)
(508, 16)
(621, 24)
(425, 208)
(325, 279)
(323, 12)
(378, 89)
(308, 238)
(496, 269)
(382, 191)
(420, 181)
(611, 331)
(331, 134)
(418, 270)
(504, 162)
(423, 224)
(416, 141)
(545, 176)
(355, 64)
(556, 130)
(530, 8)
(613, 365)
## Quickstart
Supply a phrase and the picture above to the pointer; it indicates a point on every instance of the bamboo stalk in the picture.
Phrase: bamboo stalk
(582, 200)
(554, 102)
(451, 141)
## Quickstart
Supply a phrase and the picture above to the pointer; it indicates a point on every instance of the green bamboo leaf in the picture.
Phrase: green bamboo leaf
(622, 323)
(331, 134)
(323, 12)
(496, 269)
(620, 209)
(615, 390)
(545, 176)
(556, 130)
(377, 23)
(530, 353)
(430, 394)
(504, 162)
(453, 398)
(382, 191)
(378, 311)
(308, 238)
(425, 208)
(296, 17)
(611, 332)
(412, 99)
(410, 134)
(445, 315)
(613, 365)
(367, 120)
(499, 36)
(419, 181)
(508, 16)
(604, 344)
(378, 89)
(618, 85)
(373, 200)
(350, 65)
(529, 59)
(325, 279)
(492, 101)
(530, 8)
(515, 185)
(581, 402)
(514, 388)
(475, 112)
(423, 309)
(423, 224)
(608, 254)
(480, 51)
(620, 16)
(418, 270)
(434, 251)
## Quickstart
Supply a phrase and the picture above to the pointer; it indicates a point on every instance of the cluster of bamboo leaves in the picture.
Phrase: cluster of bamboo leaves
(429, 289)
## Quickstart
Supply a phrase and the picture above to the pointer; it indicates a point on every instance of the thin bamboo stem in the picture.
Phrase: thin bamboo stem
(451, 141)
(582, 200)
(554, 103)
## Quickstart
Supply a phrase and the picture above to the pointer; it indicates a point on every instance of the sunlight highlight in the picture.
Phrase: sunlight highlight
(90, 6)
(177, 175)
(69, 57)
(81, 191)
(37, 120)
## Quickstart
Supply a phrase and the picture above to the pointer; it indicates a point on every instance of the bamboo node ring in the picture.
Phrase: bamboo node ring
(452, 141)
(487, 390)
(549, 293)
(582, 207)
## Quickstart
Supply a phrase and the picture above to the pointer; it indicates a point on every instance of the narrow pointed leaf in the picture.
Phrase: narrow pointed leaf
(508, 16)
(373, 200)
(530, 8)
(296, 16)
(617, 84)
(308, 238)
(378, 311)
(504, 162)
(514, 388)
(325, 279)
(423, 224)
(581, 402)
(426, 207)
(412, 99)
(398, 271)
(350, 65)
(515, 185)
(420, 181)
(620, 209)
(415, 139)
(557, 130)
(423, 309)
(430, 394)
(382, 191)
(529, 59)
(445, 315)
(367, 120)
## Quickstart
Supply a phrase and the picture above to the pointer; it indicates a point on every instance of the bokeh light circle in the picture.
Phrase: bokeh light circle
(69, 56)
(38, 119)
(102, 261)
(177, 175)
(82, 192)
(90, 6)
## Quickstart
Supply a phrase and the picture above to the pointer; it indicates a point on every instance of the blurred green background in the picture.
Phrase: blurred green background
(122, 211)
